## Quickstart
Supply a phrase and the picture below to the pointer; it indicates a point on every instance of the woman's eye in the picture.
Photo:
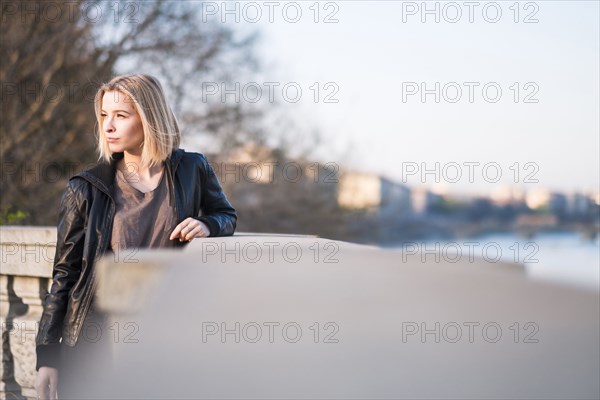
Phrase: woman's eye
(120, 115)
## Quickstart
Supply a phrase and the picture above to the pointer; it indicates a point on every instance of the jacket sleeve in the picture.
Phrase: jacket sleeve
(217, 212)
(67, 267)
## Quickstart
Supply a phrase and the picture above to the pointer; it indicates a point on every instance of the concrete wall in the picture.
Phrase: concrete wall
(327, 319)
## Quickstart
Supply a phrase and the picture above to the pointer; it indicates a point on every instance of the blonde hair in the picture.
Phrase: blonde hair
(161, 130)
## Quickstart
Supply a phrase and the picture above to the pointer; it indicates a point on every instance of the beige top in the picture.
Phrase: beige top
(142, 219)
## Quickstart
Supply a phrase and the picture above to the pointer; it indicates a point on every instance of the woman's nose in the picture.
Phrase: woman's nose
(108, 126)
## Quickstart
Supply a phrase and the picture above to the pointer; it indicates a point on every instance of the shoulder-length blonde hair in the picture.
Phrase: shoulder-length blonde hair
(161, 130)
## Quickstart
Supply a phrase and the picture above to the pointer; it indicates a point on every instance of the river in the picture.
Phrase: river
(566, 257)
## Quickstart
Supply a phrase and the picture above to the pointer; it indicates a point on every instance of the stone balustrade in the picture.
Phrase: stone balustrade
(295, 316)
(26, 255)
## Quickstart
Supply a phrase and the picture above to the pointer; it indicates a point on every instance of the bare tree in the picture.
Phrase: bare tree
(52, 66)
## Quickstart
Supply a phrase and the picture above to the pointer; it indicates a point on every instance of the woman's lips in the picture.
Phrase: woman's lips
(111, 140)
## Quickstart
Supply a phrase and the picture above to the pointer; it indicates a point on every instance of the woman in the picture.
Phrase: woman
(145, 192)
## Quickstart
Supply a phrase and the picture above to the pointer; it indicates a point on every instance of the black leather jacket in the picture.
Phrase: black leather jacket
(84, 232)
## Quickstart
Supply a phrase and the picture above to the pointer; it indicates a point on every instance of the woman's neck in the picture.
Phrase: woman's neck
(131, 165)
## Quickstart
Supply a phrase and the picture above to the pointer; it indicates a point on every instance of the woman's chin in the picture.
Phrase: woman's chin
(115, 148)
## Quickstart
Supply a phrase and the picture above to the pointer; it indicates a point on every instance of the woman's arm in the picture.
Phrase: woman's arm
(217, 212)
(66, 271)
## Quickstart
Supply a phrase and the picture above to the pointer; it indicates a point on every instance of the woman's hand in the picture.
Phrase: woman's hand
(189, 229)
(46, 383)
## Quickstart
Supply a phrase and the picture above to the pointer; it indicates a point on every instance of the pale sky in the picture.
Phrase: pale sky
(373, 56)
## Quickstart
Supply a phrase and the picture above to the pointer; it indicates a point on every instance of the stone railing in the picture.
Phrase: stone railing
(26, 255)
(267, 316)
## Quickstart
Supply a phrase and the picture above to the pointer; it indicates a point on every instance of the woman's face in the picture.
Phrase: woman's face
(121, 124)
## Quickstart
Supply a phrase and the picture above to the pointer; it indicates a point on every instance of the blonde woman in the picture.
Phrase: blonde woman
(144, 193)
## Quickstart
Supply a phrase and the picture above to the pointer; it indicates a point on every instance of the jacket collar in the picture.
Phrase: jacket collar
(102, 175)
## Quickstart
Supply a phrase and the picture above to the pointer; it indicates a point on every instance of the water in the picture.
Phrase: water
(560, 256)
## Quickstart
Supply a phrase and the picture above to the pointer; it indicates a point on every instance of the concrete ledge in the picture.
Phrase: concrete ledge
(27, 250)
(385, 309)
(127, 280)
(373, 324)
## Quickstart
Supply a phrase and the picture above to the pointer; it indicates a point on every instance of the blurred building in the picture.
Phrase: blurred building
(359, 191)
(557, 204)
(595, 197)
(371, 192)
(537, 199)
(570, 205)
(422, 200)
(507, 194)
(250, 163)
(578, 205)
